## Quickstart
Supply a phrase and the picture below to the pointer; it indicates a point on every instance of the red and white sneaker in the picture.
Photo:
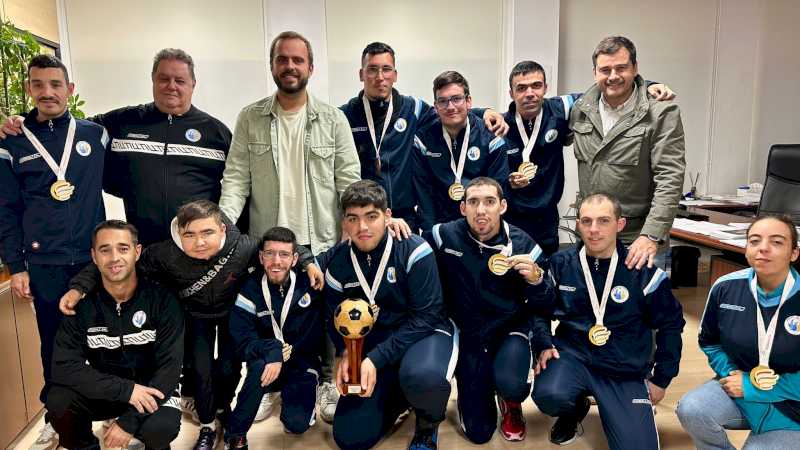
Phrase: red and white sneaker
(512, 425)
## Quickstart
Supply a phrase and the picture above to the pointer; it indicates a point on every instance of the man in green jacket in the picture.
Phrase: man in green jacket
(630, 145)
(292, 156)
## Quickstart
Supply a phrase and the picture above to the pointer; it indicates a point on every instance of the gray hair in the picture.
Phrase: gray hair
(175, 54)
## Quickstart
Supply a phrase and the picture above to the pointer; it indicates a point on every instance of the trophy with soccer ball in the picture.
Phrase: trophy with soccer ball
(353, 319)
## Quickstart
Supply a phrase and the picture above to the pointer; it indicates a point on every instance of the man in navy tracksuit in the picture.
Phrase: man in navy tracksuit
(46, 233)
(411, 351)
(491, 309)
(394, 146)
(451, 150)
(533, 204)
(603, 345)
(280, 341)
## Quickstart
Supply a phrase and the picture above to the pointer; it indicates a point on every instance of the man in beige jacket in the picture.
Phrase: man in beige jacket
(292, 156)
(631, 146)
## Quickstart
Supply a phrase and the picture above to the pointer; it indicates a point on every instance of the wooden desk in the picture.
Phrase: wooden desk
(732, 257)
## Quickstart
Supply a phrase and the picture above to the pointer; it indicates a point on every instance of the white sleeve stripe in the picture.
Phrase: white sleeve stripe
(423, 250)
(245, 304)
(104, 139)
(451, 366)
(567, 100)
(4, 154)
(496, 143)
(536, 253)
(437, 235)
(332, 282)
(418, 143)
(658, 277)
(417, 107)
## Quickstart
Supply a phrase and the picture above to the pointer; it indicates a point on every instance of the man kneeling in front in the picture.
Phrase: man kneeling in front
(120, 355)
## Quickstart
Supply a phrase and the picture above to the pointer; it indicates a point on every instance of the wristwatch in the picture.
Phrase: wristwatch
(652, 238)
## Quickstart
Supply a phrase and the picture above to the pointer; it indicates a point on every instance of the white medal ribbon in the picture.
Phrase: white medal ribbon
(61, 169)
(376, 283)
(371, 123)
(599, 307)
(505, 250)
(457, 171)
(287, 302)
(766, 336)
(529, 142)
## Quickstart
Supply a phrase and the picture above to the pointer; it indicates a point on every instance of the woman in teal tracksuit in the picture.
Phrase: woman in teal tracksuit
(757, 382)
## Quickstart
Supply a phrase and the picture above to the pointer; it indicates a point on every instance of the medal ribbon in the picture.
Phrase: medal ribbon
(599, 307)
(287, 302)
(529, 142)
(506, 250)
(457, 171)
(376, 283)
(766, 336)
(371, 124)
(61, 169)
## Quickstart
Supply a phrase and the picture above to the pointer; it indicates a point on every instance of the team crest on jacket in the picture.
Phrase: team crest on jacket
(193, 135)
(304, 301)
(391, 275)
(792, 325)
(139, 318)
(83, 148)
(551, 136)
(619, 294)
(473, 153)
(400, 125)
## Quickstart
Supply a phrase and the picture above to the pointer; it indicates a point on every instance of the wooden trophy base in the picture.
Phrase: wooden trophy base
(354, 351)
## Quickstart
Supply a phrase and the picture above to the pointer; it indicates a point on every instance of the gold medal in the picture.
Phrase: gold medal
(498, 264)
(61, 190)
(763, 378)
(598, 335)
(456, 191)
(528, 169)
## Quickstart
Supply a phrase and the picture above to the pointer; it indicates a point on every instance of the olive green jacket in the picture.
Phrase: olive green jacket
(331, 163)
(641, 160)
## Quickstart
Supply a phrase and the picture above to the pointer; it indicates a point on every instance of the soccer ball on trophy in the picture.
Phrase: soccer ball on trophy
(353, 319)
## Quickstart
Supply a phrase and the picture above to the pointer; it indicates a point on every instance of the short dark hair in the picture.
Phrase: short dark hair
(484, 181)
(611, 45)
(450, 77)
(290, 35)
(785, 219)
(598, 197)
(279, 234)
(364, 193)
(173, 54)
(114, 224)
(377, 48)
(523, 68)
(47, 62)
(198, 209)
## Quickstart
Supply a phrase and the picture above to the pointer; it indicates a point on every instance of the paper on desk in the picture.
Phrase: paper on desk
(702, 227)
(735, 242)
(701, 203)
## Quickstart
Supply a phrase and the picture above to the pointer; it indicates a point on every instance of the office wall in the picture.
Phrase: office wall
(37, 16)
(428, 38)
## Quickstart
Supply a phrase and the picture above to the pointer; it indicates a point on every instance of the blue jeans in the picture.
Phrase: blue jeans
(706, 412)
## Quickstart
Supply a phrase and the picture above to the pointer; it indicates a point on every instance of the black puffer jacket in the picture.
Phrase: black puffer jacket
(207, 288)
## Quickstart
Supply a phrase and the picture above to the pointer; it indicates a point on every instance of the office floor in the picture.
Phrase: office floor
(694, 370)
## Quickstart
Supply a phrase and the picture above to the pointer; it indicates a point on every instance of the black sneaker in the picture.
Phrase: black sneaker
(207, 440)
(568, 428)
(238, 443)
(424, 439)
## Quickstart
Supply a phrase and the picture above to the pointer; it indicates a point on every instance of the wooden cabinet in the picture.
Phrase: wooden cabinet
(20, 364)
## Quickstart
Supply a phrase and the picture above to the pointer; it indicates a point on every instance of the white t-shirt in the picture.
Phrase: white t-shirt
(292, 206)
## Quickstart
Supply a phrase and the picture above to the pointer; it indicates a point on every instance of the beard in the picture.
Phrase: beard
(302, 82)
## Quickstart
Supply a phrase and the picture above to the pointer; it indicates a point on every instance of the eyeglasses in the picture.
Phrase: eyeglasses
(456, 100)
(373, 71)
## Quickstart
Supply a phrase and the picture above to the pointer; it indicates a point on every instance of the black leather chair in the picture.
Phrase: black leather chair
(781, 194)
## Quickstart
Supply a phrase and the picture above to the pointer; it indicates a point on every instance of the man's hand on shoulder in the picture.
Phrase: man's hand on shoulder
(661, 92)
(69, 301)
(12, 126)
(642, 251)
(495, 122)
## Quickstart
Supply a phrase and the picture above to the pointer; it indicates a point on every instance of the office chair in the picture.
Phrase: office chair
(781, 194)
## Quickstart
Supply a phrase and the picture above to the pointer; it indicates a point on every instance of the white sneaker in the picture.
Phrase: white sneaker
(267, 405)
(327, 397)
(188, 408)
(47, 440)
